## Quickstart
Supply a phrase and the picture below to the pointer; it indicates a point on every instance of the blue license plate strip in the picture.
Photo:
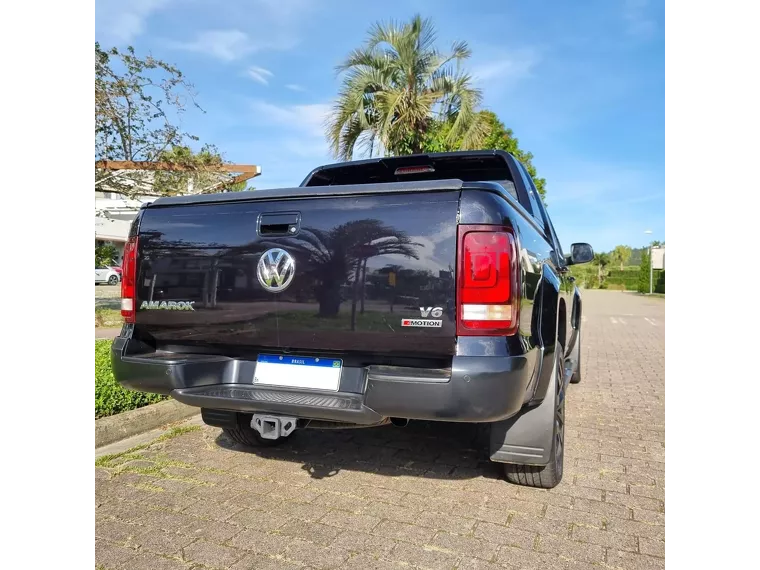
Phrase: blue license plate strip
(306, 372)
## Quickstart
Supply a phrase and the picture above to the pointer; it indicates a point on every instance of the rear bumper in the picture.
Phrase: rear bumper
(475, 389)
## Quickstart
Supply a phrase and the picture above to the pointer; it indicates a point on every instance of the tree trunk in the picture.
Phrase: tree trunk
(364, 286)
(329, 300)
(356, 293)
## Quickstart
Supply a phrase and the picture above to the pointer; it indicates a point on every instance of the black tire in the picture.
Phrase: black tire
(113, 280)
(244, 434)
(577, 375)
(546, 476)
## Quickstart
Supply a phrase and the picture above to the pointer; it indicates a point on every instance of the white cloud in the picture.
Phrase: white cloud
(295, 87)
(227, 45)
(119, 22)
(640, 24)
(305, 119)
(604, 203)
(507, 68)
(259, 74)
(275, 23)
(295, 139)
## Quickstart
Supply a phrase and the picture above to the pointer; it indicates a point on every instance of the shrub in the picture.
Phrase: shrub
(644, 273)
(105, 254)
(110, 397)
(659, 281)
(591, 282)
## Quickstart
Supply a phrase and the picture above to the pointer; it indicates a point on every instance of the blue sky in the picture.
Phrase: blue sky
(582, 84)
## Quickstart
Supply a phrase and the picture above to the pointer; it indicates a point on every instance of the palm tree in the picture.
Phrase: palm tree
(601, 260)
(339, 256)
(396, 85)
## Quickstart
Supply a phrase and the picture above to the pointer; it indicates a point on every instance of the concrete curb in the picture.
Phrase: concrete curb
(114, 428)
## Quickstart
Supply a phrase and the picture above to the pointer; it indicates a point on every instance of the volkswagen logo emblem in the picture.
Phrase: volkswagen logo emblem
(276, 270)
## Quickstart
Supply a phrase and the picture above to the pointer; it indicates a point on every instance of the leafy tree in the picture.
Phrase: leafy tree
(139, 103)
(396, 85)
(104, 254)
(199, 179)
(497, 137)
(636, 254)
(620, 255)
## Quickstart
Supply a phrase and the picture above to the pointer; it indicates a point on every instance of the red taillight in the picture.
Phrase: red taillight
(487, 282)
(128, 280)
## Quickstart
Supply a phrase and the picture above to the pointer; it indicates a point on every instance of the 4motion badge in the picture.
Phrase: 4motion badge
(425, 322)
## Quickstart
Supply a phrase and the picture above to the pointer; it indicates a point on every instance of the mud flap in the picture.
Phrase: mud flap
(526, 438)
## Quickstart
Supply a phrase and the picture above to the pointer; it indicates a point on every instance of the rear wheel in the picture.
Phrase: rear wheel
(244, 434)
(113, 280)
(546, 476)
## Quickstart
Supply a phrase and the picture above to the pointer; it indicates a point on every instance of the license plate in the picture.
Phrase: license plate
(298, 372)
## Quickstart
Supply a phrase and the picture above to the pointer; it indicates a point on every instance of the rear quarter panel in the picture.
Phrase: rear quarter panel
(487, 203)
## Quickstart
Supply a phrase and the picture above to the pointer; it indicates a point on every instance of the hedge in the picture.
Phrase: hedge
(110, 397)
(628, 279)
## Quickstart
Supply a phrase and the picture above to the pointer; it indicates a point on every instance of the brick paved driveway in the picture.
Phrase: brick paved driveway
(423, 496)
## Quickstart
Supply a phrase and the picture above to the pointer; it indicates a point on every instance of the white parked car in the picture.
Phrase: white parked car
(105, 274)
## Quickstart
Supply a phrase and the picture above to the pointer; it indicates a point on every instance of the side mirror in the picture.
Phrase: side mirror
(581, 253)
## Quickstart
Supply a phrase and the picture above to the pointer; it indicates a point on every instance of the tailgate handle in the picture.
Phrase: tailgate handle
(279, 224)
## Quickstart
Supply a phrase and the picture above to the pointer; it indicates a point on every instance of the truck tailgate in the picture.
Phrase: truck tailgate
(372, 273)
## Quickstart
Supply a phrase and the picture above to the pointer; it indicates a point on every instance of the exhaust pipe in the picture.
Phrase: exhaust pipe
(399, 422)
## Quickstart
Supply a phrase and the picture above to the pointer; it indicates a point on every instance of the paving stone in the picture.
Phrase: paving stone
(263, 562)
(605, 538)
(652, 547)
(117, 531)
(424, 557)
(404, 532)
(160, 542)
(212, 554)
(505, 535)
(148, 561)
(315, 555)
(356, 542)
(261, 542)
(515, 557)
(350, 521)
(571, 549)
(467, 545)
(112, 556)
(312, 532)
(259, 520)
(628, 561)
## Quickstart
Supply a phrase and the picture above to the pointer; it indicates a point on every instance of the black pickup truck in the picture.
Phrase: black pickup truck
(427, 287)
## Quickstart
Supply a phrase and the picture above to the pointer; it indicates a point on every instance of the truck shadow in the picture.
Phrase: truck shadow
(439, 450)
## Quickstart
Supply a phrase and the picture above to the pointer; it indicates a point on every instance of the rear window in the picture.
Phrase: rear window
(468, 169)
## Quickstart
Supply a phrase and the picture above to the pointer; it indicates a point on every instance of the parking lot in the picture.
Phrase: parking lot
(424, 496)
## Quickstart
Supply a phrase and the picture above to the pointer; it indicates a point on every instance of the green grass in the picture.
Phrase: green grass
(153, 462)
(176, 431)
(110, 397)
(107, 317)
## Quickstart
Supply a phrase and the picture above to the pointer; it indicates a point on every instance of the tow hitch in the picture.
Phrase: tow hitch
(273, 427)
